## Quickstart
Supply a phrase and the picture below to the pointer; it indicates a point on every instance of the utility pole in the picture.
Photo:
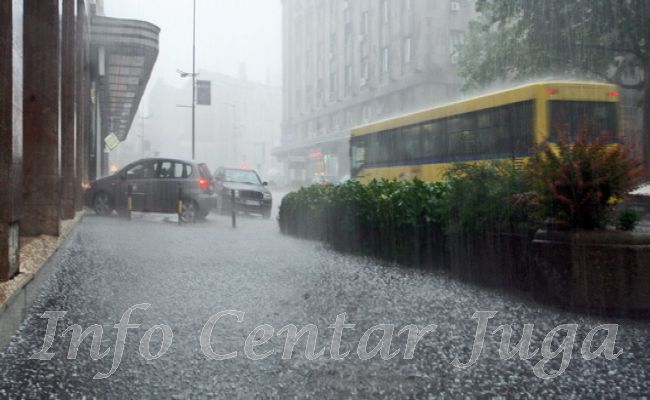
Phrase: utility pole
(192, 74)
(194, 80)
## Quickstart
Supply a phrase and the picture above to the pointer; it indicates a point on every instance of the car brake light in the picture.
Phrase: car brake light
(203, 184)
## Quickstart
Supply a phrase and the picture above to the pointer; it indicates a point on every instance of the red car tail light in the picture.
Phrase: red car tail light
(204, 184)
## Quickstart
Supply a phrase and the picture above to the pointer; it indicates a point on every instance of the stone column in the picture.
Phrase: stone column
(68, 102)
(80, 67)
(11, 134)
(41, 162)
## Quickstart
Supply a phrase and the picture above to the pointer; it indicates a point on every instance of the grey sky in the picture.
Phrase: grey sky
(229, 32)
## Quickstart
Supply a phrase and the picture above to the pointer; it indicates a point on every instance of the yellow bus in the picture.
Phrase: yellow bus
(507, 124)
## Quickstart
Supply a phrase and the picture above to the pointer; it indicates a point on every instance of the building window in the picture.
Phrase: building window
(456, 39)
(365, 23)
(333, 85)
(308, 58)
(348, 35)
(348, 79)
(320, 96)
(406, 5)
(299, 66)
(298, 103)
(365, 71)
(406, 49)
(385, 10)
(366, 112)
(333, 65)
(309, 94)
(384, 60)
(320, 65)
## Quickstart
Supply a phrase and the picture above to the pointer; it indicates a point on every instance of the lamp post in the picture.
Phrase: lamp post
(193, 79)
(192, 74)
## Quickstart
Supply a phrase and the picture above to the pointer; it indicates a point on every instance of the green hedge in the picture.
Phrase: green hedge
(412, 222)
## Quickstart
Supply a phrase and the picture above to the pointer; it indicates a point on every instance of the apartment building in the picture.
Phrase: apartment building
(349, 62)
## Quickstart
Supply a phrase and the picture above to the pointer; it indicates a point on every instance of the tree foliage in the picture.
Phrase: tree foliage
(519, 39)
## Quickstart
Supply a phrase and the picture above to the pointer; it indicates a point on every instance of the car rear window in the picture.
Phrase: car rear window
(204, 171)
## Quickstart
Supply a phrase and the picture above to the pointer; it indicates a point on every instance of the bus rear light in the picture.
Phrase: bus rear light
(613, 93)
(551, 91)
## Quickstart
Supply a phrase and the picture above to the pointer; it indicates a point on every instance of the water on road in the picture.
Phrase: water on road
(184, 276)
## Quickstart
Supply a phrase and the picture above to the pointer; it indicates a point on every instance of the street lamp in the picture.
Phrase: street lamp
(193, 74)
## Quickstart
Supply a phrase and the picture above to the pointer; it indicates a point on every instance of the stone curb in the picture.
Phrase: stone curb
(12, 313)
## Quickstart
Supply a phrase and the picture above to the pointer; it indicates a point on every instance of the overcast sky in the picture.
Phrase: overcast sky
(229, 32)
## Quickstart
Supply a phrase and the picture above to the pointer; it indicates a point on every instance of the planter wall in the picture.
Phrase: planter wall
(600, 271)
(500, 260)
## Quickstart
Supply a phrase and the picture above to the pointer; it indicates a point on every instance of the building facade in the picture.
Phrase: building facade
(350, 62)
(69, 78)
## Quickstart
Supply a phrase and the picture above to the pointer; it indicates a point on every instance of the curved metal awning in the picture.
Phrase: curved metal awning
(126, 52)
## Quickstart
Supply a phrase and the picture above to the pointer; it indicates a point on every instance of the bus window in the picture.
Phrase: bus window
(522, 128)
(373, 146)
(486, 124)
(463, 140)
(597, 119)
(385, 147)
(434, 140)
(407, 144)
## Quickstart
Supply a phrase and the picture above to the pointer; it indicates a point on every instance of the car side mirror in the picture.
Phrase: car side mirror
(123, 176)
(265, 184)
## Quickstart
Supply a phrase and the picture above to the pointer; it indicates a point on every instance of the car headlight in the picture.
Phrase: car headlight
(267, 196)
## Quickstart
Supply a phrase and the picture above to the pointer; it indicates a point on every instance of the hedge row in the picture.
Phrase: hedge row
(411, 222)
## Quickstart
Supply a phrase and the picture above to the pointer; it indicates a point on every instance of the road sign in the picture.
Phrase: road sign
(203, 93)
(111, 141)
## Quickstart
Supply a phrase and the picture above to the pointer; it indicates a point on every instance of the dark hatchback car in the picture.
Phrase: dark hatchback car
(250, 193)
(156, 185)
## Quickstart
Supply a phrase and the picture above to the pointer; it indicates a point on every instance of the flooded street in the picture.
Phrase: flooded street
(190, 273)
(447, 199)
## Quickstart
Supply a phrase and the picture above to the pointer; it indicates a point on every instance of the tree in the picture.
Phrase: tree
(596, 39)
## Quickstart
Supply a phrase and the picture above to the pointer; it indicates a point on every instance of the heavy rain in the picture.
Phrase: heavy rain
(337, 199)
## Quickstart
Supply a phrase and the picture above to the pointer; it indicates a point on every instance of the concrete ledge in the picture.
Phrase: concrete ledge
(600, 272)
(17, 295)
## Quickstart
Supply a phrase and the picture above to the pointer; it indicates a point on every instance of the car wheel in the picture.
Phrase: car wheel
(189, 212)
(103, 204)
(201, 215)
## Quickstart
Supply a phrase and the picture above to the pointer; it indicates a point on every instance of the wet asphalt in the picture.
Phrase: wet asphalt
(187, 274)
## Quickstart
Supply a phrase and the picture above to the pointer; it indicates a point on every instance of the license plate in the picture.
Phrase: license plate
(251, 203)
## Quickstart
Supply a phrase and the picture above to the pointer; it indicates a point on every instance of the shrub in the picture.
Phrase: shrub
(395, 220)
(577, 182)
(628, 219)
(302, 213)
(485, 197)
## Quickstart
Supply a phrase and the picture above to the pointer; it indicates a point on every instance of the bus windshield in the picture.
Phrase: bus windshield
(596, 119)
